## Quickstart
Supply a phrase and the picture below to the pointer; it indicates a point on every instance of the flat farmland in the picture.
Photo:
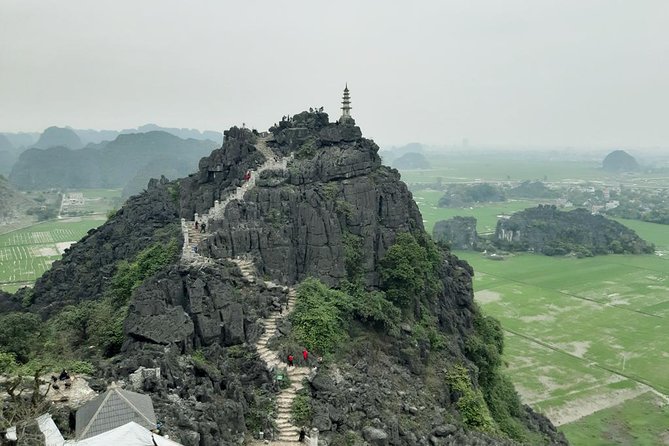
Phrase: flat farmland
(585, 338)
(26, 253)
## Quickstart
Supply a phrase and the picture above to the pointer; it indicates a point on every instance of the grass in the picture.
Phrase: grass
(640, 422)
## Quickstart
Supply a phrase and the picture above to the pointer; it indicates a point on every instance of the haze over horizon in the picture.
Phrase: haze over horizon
(548, 73)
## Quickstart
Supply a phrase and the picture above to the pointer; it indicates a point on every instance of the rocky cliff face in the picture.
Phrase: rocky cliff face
(459, 232)
(191, 328)
(86, 268)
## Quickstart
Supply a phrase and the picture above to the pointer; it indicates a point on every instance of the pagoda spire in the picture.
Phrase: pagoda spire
(346, 106)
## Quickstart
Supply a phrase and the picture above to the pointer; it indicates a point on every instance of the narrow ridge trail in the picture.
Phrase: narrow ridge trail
(286, 432)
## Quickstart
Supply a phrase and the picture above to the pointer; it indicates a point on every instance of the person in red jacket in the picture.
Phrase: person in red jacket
(290, 360)
(305, 355)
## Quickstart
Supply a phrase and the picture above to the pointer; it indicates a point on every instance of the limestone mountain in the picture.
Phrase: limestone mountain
(110, 164)
(58, 137)
(98, 136)
(458, 232)
(411, 160)
(620, 161)
(321, 248)
(550, 231)
(5, 144)
(12, 202)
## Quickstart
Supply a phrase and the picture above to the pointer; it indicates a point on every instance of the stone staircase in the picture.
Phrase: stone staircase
(287, 433)
(192, 237)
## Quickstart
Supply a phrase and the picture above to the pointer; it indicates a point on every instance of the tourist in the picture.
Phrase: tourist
(203, 227)
(305, 354)
(196, 225)
(302, 435)
(64, 375)
(290, 360)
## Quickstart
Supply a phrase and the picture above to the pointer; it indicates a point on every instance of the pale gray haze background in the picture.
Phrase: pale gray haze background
(530, 72)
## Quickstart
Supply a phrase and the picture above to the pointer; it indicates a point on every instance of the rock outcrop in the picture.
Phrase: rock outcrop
(85, 271)
(458, 232)
(550, 231)
(620, 161)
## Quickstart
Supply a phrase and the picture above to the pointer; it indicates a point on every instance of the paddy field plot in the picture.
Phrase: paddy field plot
(585, 338)
(26, 253)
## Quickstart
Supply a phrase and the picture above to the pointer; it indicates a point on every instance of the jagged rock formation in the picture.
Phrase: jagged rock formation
(85, 271)
(58, 137)
(620, 161)
(205, 328)
(129, 161)
(411, 160)
(458, 232)
(550, 231)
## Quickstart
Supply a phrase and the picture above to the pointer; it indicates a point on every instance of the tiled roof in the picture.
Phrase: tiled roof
(112, 409)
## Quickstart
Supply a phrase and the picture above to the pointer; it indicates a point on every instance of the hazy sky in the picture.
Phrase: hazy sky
(560, 72)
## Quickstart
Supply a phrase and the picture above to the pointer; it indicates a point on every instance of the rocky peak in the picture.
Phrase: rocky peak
(294, 222)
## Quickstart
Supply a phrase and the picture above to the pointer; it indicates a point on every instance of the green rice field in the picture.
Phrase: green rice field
(26, 253)
(585, 338)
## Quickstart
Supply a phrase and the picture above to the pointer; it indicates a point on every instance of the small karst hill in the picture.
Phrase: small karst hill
(328, 235)
(620, 161)
(550, 231)
(411, 160)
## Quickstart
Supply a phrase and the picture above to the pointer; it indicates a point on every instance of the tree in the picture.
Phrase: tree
(408, 270)
(19, 333)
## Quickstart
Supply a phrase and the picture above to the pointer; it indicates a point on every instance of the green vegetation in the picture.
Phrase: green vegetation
(301, 410)
(307, 150)
(470, 404)
(459, 195)
(26, 253)
(640, 421)
(353, 256)
(485, 349)
(129, 275)
(55, 343)
(409, 270)
(322, 315)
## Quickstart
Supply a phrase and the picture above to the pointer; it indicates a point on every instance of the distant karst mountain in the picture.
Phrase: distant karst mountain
(109, 164)
(620, 161)
(12, 202)
(89, 136)
(547, 230)
(411, 160)
(59, 137)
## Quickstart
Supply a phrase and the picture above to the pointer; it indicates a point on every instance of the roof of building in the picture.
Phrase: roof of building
(113, 409)
(130, 434)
